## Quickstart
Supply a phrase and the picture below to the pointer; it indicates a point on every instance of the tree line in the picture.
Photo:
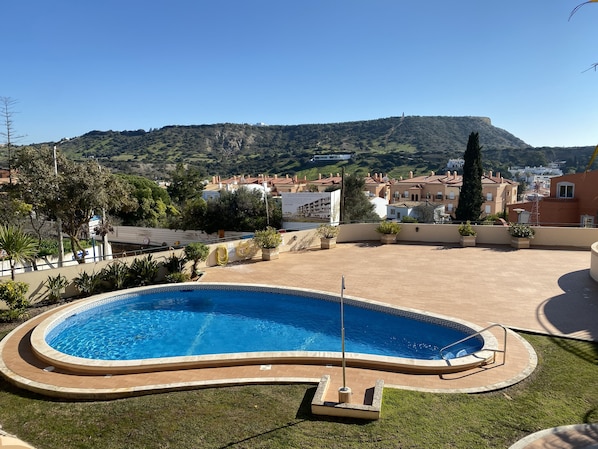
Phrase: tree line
(50, 188)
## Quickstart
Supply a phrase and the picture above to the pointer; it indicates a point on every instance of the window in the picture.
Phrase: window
(406, 194)
(488, 209)
(439, 196)
(587, 221)
(564, 190)
(450, 207)
(489, 196)
(451, 195)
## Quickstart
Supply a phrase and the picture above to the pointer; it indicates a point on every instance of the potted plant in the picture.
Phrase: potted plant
(328, 234)
(388, 231)
(268, 240)
(521, 234)
(467, 233)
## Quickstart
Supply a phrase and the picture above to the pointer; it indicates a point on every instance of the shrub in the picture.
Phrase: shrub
(328, 231)
(177, 277)
(175, 264)
(143, 271)
(13, 294)
(408, 219)
(55, 285)
(465, 229)
(521, 230)
(268, 238)
(88, 284)
(196, 252)
(116, 275)
(388, 227)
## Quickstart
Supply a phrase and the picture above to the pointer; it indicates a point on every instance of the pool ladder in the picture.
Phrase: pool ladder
(504, 350)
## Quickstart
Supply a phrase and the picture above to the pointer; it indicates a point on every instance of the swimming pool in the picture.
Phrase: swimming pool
(194, 325)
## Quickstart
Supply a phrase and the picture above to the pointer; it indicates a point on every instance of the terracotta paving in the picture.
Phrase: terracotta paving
(546, 291)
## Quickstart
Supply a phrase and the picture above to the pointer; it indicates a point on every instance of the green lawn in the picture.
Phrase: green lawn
(563, 390)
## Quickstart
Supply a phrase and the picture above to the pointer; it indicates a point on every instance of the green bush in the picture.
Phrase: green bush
(88, 284)
(55, 286)
(408, 219)
(465, 229)
(13, 294)
(143, 271)
(521, 230)
(175, 264)
(177, 277)
(197, 252)
(388, 227)
(268, 238)
(116, 275)
(328, 231)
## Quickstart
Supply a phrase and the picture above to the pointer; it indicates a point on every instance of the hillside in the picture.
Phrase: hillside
(392, 145)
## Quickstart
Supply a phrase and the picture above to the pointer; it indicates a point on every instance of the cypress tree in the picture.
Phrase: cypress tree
(471, 198)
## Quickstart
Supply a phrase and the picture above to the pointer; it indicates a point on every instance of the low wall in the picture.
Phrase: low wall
(546, 237)
(594, 262)
(227, 251)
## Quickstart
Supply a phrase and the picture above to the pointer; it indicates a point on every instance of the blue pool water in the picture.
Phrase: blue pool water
(200, 322)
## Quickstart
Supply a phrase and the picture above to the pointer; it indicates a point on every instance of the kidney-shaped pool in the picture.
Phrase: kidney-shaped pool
(203, 324)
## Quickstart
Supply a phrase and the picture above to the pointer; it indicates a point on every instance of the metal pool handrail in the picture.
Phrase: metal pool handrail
(504, 350)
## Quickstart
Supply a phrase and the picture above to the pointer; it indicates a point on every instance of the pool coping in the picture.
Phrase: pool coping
(56, 359)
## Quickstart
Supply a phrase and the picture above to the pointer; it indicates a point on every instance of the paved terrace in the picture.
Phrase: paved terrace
(544, 291)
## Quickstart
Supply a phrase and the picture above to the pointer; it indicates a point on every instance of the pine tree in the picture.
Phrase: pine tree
(471, 198)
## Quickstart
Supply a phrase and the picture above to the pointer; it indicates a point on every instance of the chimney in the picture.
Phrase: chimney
(410, 175)
(498, 175)
(432, 173)
(490, 174)
(455, 174)
(319, 175)
(448, 174)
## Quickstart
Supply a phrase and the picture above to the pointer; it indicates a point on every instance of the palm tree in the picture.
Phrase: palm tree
(17, 245)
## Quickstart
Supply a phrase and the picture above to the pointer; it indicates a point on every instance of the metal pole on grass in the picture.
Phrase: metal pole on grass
(343, 331)
(344, 393)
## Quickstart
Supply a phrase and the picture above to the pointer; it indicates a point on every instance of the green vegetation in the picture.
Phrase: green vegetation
(388, 227)
(13, 294)
(521, 230)
(55, 285)
(561, 391)
(393, 146)
(19, 246)
(470, 197)
(197, 252)
(466, 229)
(268, 238)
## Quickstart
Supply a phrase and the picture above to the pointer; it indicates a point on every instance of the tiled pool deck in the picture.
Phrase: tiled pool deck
(545, 291)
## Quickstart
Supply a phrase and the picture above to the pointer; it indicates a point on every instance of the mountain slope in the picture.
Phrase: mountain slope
(392, 145)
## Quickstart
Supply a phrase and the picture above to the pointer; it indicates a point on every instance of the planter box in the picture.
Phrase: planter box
(468, 240)
(387, 239)
(327, 243)
(270, 253)
(520, 243)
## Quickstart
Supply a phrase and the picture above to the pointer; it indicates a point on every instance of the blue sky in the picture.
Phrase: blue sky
(76, 66)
